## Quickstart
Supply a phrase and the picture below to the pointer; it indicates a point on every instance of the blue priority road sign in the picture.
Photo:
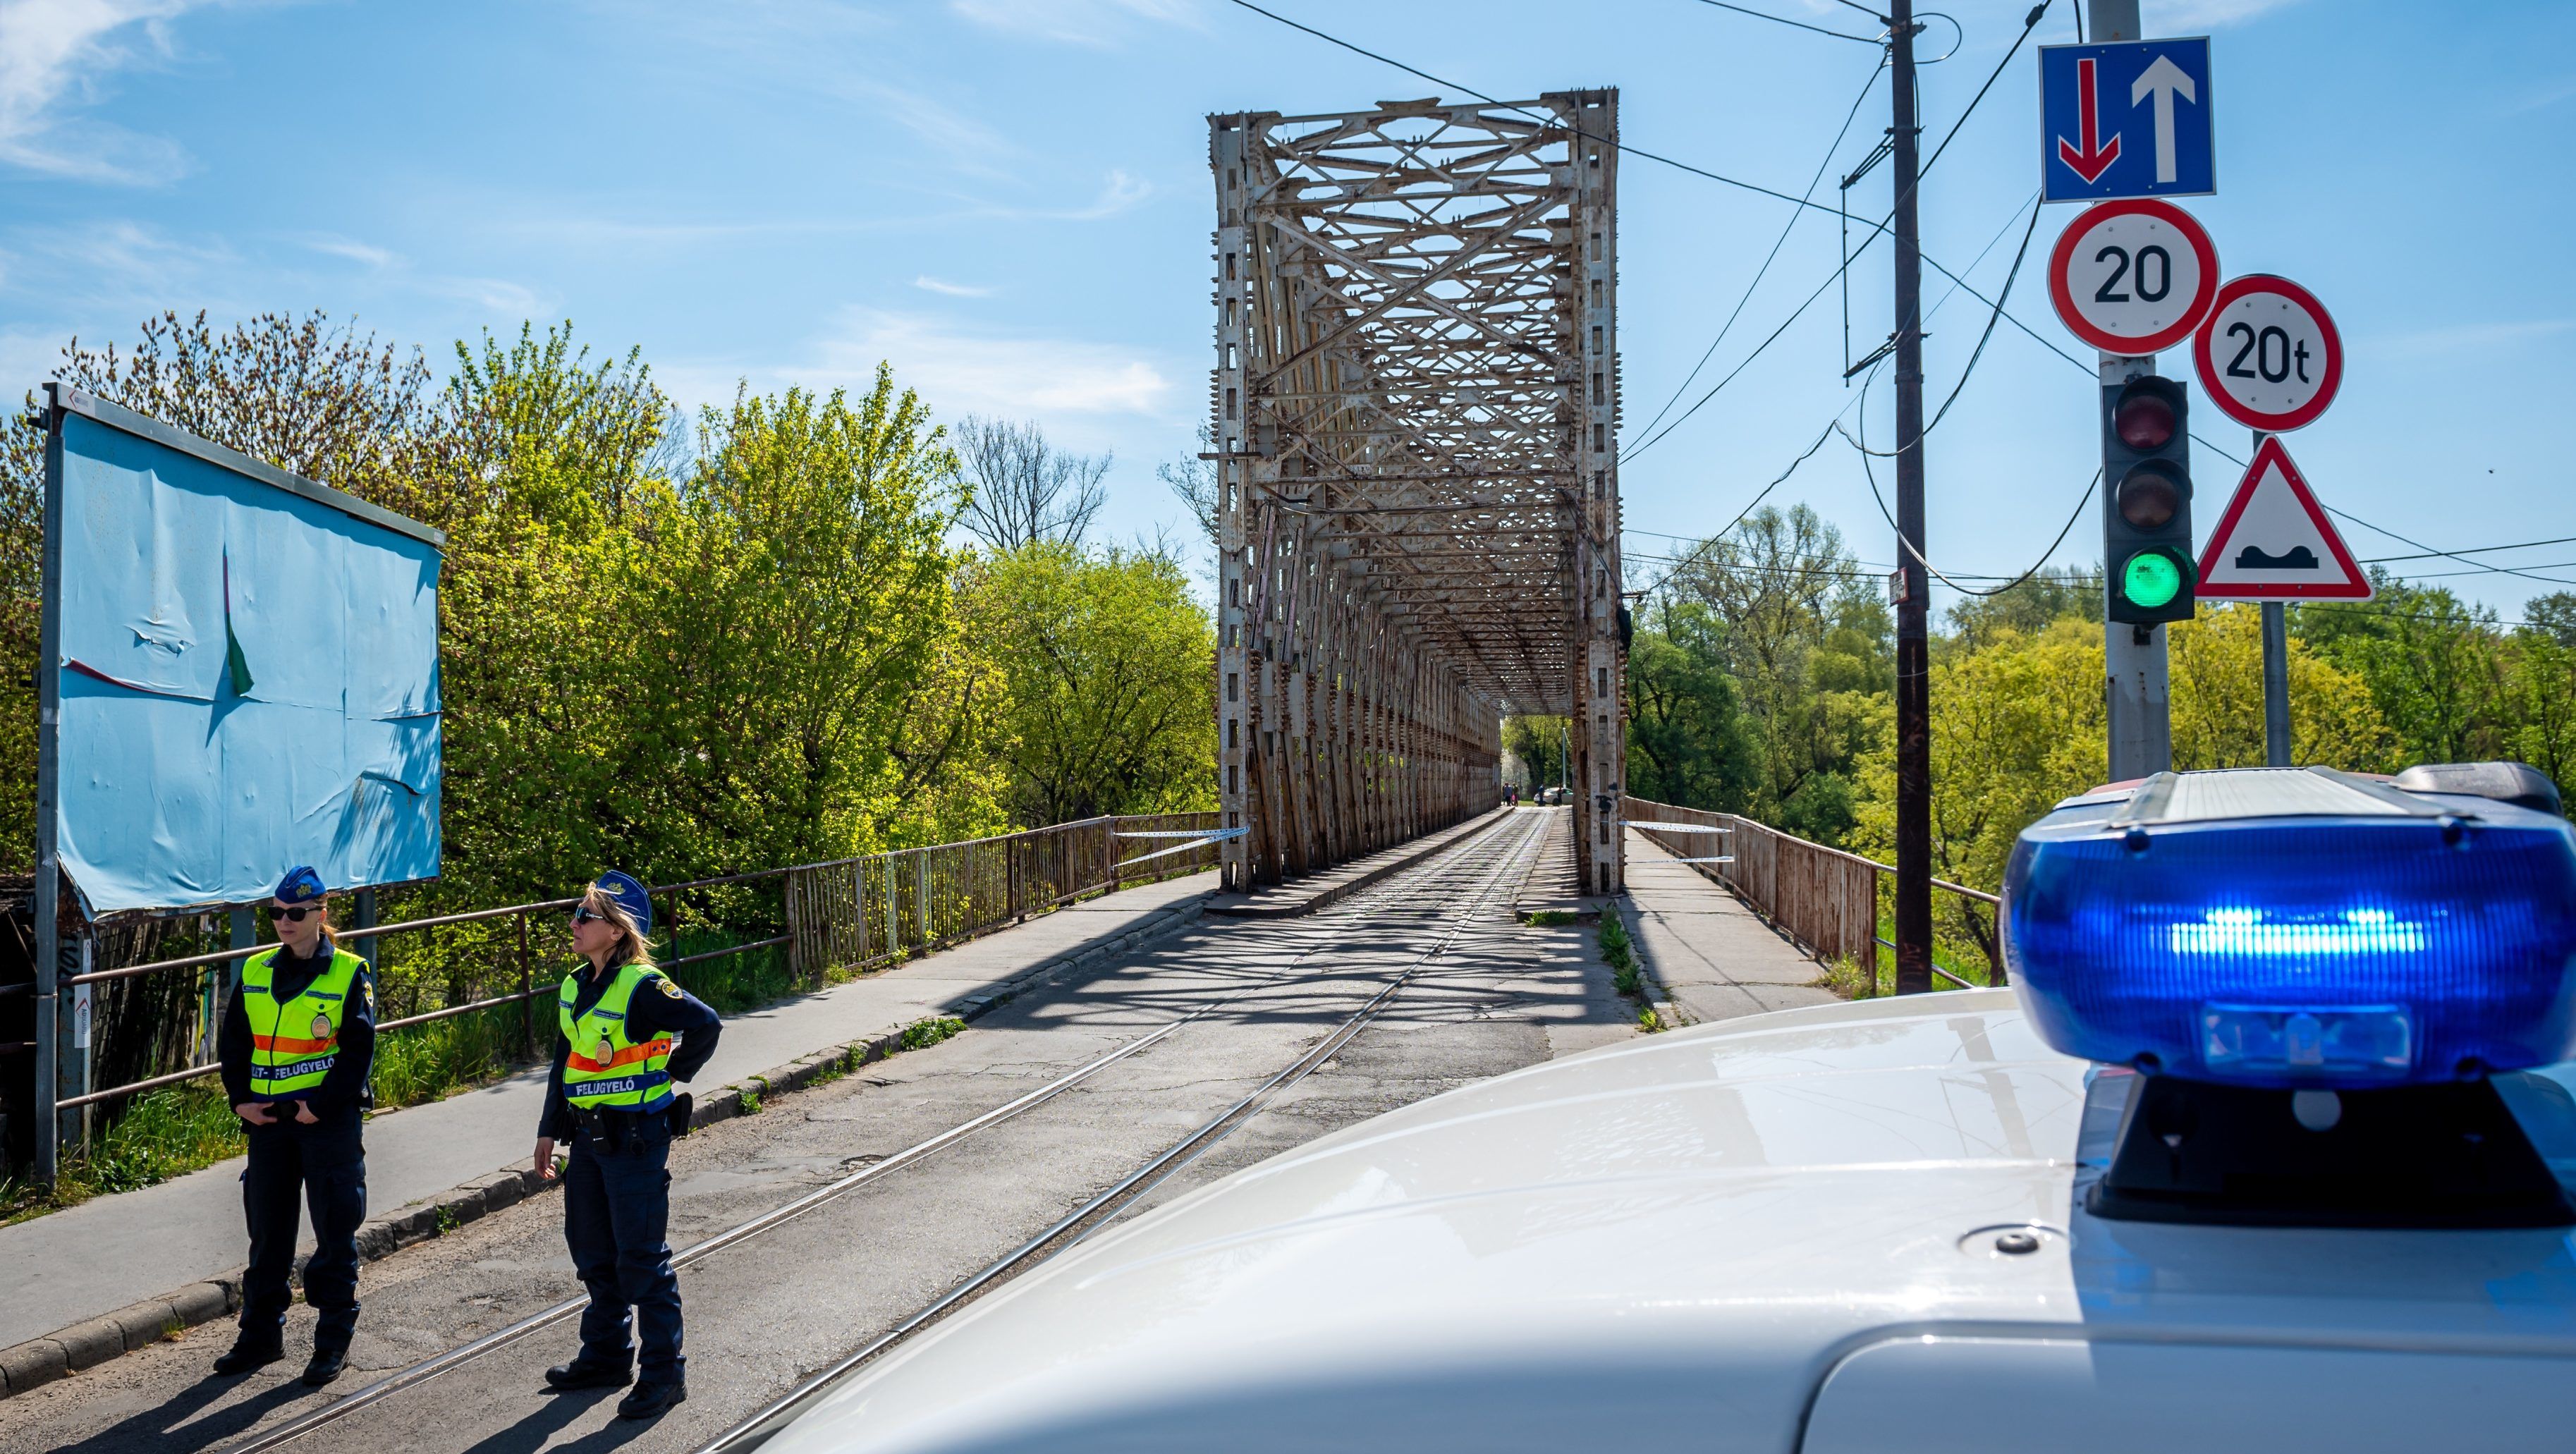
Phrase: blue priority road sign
(2130, 119)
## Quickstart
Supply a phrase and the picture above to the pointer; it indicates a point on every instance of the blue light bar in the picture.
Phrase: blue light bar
(2269, 927)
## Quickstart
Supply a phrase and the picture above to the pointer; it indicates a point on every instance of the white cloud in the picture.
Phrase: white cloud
(334, 245)
(929, 284)
(1117, 195)
(56, 53)
(1066, 384)
(1074, 22)
(2469, 335)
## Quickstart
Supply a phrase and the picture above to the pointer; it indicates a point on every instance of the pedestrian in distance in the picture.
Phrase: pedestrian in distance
(297, 1041)
(612, 1100)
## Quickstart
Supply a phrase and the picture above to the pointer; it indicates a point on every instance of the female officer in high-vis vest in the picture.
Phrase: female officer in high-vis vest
(296, 1044)
(612, 1098)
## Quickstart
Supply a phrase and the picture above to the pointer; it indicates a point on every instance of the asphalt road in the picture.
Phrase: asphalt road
(764, 1313)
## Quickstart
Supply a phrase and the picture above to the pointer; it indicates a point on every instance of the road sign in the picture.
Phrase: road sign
(2274, 543)
(2268, 353)
(2126, 120)
(2133, 277)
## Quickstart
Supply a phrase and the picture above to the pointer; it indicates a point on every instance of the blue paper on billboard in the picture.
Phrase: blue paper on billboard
(248, 680)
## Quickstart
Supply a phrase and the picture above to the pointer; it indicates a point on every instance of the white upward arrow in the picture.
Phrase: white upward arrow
(2164, 80)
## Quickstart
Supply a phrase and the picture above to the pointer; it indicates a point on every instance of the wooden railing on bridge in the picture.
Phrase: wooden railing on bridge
(1825, 899)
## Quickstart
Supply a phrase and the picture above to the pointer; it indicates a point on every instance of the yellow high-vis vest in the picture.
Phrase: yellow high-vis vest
(608, 1069)
(293, 1044)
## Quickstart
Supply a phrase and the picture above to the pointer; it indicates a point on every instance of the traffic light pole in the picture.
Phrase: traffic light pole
(1913, 637)
(2133, 657)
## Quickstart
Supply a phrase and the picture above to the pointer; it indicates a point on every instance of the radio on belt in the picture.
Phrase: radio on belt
(2318, 977)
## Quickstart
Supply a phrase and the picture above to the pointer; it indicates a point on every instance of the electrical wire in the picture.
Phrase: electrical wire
(2445, 554)
(1776, 244)
(1785, 20)
(1821, 436)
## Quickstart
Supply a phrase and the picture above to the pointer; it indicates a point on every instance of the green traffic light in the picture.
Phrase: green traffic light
(2150, 579)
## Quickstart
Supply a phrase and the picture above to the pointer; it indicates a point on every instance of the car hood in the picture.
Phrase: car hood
(1687, 1229)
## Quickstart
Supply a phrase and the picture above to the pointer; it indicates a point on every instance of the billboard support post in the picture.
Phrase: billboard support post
(53, 1022)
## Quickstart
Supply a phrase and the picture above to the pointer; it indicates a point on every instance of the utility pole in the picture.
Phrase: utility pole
(2139, 710)
(1913, 640)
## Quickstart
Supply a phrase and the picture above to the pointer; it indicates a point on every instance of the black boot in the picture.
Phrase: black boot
(650, 1399)
(250, 1351)
(582, 1373)
(325, 1366)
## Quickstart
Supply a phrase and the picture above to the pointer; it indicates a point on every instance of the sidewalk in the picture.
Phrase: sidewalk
(99, 1257)
(1713, 956)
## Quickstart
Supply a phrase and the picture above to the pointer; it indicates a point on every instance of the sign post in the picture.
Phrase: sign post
(2131, 278)
(2270, 356)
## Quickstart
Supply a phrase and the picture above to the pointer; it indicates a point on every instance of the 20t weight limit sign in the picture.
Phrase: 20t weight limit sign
(2269, 354)
(2133, 277)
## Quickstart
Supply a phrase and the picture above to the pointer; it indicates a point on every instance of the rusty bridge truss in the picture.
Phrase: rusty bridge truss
(1415, 411)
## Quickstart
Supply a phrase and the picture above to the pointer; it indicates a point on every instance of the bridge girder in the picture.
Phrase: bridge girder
(1415, 407)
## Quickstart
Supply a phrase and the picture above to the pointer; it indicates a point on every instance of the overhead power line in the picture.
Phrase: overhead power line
(1785, 20)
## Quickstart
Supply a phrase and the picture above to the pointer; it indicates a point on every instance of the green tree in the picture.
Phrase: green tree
(1688, 741)
(1105, 661)
(2434, 665)
(2215, 672)
(1538, 745)
(1809, 647)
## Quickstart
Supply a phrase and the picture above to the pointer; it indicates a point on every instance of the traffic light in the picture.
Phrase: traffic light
(2146, 525)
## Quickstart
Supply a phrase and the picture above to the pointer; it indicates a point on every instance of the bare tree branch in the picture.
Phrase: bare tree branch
(1024, 490)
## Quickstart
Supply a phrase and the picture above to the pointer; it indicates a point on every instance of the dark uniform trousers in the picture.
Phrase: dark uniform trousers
(617, 1217)
(324, 1166)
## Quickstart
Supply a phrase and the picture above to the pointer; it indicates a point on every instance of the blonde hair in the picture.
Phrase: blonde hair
(631, 946)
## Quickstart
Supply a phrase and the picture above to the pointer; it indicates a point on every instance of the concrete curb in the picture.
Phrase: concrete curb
(39, 1361)
(1341, 891)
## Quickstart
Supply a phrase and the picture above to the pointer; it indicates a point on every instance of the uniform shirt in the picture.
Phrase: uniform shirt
(662, 1008)
(344, 1085)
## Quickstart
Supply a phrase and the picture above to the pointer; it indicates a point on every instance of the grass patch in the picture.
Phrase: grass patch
(1849, 979)
(164, 1133)
(1969, 966)
(1549, 918)
(922, 1034)
(1649, 1021)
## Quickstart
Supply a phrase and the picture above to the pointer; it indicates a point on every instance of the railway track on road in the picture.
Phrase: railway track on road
(1507, 849)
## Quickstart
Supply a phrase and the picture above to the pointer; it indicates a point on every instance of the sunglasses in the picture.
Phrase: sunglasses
(296, 915)
(584, 915)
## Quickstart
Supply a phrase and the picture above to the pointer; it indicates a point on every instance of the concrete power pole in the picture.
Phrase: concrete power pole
(1913, 641)
(2139, 709)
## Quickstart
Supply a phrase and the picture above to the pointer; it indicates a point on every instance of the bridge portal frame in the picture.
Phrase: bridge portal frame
(1414, 415)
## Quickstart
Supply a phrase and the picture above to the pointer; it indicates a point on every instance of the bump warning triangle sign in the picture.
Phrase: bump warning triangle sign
(2274, 542)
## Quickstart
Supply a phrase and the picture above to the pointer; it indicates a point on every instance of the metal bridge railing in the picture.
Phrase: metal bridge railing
(1823, 898)
(848, 914)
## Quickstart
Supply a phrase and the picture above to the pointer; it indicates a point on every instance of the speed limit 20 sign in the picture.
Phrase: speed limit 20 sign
(2133, 277)
(2269, 354)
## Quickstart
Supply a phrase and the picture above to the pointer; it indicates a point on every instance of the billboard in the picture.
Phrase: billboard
(239, 672)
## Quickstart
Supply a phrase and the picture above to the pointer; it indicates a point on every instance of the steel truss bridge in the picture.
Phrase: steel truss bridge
(1415, 412)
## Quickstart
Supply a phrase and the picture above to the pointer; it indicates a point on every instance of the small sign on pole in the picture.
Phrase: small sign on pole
(2275, 543)
(2268, 353)
(2134, 277)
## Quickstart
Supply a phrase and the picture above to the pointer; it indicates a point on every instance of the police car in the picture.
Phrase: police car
(2267, 1151)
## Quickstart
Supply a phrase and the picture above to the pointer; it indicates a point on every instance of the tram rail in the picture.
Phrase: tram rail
(1099, 1210)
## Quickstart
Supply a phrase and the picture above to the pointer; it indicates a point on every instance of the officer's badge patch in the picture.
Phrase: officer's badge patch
(321, 1027)
(668, 988)
(607, 1050)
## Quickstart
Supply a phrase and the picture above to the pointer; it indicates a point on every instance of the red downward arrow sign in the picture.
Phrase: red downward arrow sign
(2092, 161)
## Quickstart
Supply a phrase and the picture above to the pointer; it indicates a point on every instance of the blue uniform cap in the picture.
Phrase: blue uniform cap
(300, 886)
(630, 896)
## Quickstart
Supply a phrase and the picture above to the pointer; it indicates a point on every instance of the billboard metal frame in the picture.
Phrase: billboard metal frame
(62, 1024)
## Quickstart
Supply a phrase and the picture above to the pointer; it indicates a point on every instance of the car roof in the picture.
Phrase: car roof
(1706, 1219)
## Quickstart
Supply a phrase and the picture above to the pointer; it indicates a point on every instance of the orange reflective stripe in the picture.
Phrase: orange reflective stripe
(290, 1045)
(627, 1056)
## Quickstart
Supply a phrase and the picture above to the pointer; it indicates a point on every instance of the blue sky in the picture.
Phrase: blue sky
(1008, 200)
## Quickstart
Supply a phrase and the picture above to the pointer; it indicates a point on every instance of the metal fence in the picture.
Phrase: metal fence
(850, 914)
(1823, 898)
